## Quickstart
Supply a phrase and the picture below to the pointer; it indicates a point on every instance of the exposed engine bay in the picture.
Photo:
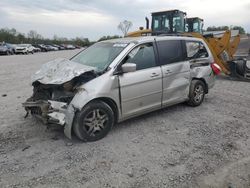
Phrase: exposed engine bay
(61, 93)
(54, 86)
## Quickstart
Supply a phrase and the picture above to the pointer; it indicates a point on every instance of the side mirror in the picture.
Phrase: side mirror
(129, 67)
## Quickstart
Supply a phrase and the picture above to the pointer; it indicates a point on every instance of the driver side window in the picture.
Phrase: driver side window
(143, 56)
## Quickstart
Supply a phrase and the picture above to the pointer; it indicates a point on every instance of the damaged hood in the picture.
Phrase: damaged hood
(60, 71)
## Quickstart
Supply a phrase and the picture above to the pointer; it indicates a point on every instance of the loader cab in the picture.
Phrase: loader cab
(168, 22)
(194, 25)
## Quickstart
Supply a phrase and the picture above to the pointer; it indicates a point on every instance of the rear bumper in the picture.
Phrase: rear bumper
(49, 112)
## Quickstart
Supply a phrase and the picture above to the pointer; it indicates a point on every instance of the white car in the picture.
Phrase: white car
(70, 47)
(24, 49)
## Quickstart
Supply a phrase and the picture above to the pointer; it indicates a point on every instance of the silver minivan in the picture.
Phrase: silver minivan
(118, 79)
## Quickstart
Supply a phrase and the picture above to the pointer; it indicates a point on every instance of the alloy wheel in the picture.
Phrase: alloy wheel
(95, 121)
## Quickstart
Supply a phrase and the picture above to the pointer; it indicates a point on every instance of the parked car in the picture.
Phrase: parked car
(24, 49)
(70, 47)
(51, 48)
(61, 47)
(36, 49)
(58, 47)
(42, 47)
(6, 49)
(115, 80)
(78, 47)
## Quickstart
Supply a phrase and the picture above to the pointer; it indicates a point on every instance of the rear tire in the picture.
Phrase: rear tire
(196, 93)
(94, 121)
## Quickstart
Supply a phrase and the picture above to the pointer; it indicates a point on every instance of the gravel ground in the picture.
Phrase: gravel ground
(180, 146)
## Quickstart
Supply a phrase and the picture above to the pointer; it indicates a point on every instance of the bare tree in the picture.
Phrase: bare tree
(125, 26)
(32, 34)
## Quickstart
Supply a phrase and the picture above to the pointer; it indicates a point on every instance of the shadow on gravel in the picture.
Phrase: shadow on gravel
(155, 114)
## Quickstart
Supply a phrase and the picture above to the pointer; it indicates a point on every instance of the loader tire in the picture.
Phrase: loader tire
(240, 67)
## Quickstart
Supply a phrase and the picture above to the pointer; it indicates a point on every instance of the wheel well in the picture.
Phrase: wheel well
(204, 81)
(108, 101)
(111, 103)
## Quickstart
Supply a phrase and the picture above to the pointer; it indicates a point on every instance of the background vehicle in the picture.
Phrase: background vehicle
(70, 47)
(119, 79)
(194, 24)
(61, 47)
(6, 49)
(42, 49)
(24, 49)
(223, 47)
(51, 48)
(36, 49)
(78, 47)
(58, 47)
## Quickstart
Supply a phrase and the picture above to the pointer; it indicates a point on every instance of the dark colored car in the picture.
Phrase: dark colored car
(6, 49)
(61, 47)
(78, 47)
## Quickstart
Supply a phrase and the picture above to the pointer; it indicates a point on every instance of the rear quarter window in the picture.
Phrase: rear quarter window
(196, 49)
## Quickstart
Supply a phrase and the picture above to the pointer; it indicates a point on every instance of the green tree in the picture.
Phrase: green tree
(20, 38)
(221, 28)
(13, 36)
(241, 29)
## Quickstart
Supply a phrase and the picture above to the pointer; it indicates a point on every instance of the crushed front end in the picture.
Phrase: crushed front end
(49, 112)
(49, 102)
(54, 87)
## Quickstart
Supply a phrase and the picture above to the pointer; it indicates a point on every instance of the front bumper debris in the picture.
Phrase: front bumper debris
(49, 112)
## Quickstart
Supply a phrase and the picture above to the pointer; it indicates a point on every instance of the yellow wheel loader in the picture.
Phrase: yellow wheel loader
(194, 24)
(223, 46)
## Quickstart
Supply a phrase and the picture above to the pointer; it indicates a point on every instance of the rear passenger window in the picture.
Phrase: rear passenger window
(170, 51)
(143, 56)
(196, 49)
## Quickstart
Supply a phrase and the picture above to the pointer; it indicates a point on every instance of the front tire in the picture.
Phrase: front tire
(196, 93)
(94, 121)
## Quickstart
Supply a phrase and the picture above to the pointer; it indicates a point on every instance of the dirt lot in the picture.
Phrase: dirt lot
(180, 146)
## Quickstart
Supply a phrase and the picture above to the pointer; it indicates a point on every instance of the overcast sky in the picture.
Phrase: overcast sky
(95, 18)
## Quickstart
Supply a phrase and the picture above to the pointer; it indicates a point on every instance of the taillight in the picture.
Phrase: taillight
(216, 68)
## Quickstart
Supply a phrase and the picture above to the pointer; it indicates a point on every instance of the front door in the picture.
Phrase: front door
(141, 91)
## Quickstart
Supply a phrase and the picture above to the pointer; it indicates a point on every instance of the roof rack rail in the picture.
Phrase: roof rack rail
(171, 34)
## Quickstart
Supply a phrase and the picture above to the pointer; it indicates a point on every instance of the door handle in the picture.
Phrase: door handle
(154, 74)
(168, 72)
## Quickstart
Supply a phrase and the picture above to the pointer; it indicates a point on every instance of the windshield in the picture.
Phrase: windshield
(168, 22)
(178, 23)
(100, 55)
